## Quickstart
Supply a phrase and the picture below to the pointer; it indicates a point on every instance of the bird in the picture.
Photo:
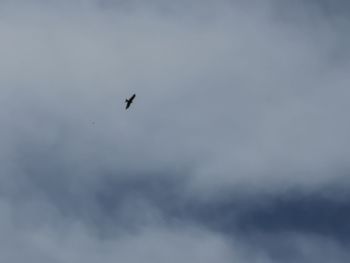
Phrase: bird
(129, 101)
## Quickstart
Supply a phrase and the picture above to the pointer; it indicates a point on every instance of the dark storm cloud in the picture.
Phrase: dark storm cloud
(236, 148)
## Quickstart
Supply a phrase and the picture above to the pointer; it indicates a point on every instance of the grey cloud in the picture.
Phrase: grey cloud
(238, 104)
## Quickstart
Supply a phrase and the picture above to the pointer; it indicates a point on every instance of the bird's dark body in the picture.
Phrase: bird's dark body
(129, 101)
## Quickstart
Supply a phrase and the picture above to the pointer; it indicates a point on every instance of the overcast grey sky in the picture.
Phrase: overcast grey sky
(235, 149)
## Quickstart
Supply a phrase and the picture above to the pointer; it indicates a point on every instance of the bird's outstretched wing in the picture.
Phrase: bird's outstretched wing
(129, 101)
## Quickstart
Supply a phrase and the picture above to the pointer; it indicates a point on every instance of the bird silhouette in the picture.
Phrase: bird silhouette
(129, 101)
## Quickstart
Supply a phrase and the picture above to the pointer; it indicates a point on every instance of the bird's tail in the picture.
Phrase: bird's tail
(126, 101)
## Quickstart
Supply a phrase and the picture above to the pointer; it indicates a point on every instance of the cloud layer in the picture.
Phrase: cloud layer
(240, 117)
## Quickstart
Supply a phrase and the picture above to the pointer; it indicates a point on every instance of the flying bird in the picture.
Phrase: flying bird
(129, 101)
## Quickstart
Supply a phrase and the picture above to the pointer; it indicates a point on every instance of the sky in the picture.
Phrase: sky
(235, 149)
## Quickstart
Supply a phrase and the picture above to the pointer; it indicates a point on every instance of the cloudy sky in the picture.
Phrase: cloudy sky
(236, 148)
